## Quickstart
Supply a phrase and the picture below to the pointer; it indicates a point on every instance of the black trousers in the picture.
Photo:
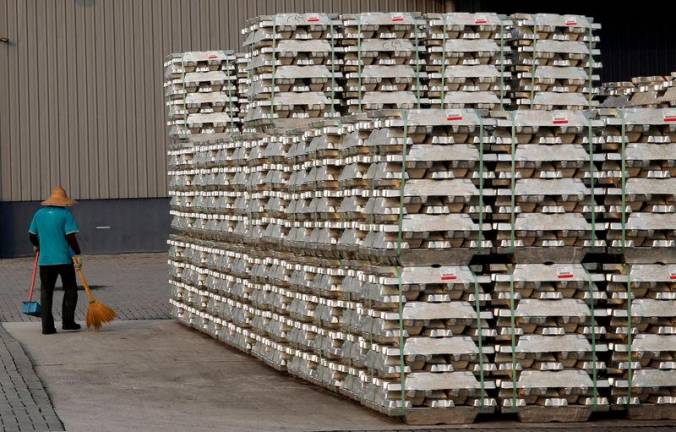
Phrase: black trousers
(48, 275)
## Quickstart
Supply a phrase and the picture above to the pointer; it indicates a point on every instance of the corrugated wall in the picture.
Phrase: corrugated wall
(81, 99)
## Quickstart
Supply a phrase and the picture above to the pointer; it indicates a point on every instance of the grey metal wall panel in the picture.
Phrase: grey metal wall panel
(106, 226)
(81, 99)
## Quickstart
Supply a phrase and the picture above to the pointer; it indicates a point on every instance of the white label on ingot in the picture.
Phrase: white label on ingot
(397, 17)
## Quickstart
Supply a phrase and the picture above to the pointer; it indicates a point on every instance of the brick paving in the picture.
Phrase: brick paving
(135, 285)
(24, 402)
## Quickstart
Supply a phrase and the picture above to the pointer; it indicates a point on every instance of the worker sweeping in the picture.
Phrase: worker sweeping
(52, 233)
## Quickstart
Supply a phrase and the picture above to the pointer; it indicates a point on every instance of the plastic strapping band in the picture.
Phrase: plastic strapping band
(481, 181)
(480, 238)
(590, 283)
(402, 184)
(443, 63)
(333, 69)
(511, 274)
(590, 67)
(512, 234)
(231, 118)
(417, 64)
(623, 154)
(274, 64)
(502, 65)
(532, 70)
(630, 329)
(359, 64)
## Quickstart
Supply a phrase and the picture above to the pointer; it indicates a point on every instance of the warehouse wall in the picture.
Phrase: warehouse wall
(81, 85)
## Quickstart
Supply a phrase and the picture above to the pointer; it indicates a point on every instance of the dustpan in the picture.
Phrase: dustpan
(31, 307)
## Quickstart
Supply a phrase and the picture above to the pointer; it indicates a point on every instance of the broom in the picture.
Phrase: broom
(97, 313)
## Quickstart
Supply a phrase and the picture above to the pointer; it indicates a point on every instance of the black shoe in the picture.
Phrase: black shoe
(49, 331)
(74, 326)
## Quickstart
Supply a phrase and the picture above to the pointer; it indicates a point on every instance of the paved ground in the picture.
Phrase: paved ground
(135, 285)
(159, 376)
(24, 403)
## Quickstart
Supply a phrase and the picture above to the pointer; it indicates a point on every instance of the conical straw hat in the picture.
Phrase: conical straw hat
(58, 198)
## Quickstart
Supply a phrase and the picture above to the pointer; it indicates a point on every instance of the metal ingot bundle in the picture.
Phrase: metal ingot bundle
(243, 83)
(549, 341)
(468, 60)
(384, 61)
(201, 92)
(640, 169)
(415, 197)
(294, 69)
(643, 331)
(545, 207)
(554, 61)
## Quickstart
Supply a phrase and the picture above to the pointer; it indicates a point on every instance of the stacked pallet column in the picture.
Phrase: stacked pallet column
(295, 69)
(642, 213)
(554, 61)
(468, 61)
(384, 61)
(547, 305)
(201, 93)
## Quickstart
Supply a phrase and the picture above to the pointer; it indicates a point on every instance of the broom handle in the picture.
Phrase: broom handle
(35, 272)
(85, 284)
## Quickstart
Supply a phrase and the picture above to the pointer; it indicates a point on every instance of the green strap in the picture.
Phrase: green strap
(417, 65)
(623, 177)
(513, 249)
(512, 318)
(512, 234)
(359, 65)
(590, 283)
(480, 236)
(402, 184)
(590, 68)
(623, 153)
(230, 116)
(274, 64)
(630, 357)
(502, 66)
(333, 70)
(443, 63)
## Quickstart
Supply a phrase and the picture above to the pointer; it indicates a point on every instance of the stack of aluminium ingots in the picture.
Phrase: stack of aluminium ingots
(384, 61)
(294, 65)
(200, 89)
(555, 61)
(469, 61)
(641, 178)
(547, 304)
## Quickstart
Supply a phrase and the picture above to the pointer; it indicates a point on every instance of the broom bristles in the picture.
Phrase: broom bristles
(99, 314)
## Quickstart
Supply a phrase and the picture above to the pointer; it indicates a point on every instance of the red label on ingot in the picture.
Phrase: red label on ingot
(453, 116)
(313, 19)
(560, 121)
(570, 22)
(397, 18)
(480, 20)
(565, 275)
(448, 277)
(670, 118)
(672, 276)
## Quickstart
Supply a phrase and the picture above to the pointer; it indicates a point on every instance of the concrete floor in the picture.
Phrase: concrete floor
(157, 375)
(160, 376)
